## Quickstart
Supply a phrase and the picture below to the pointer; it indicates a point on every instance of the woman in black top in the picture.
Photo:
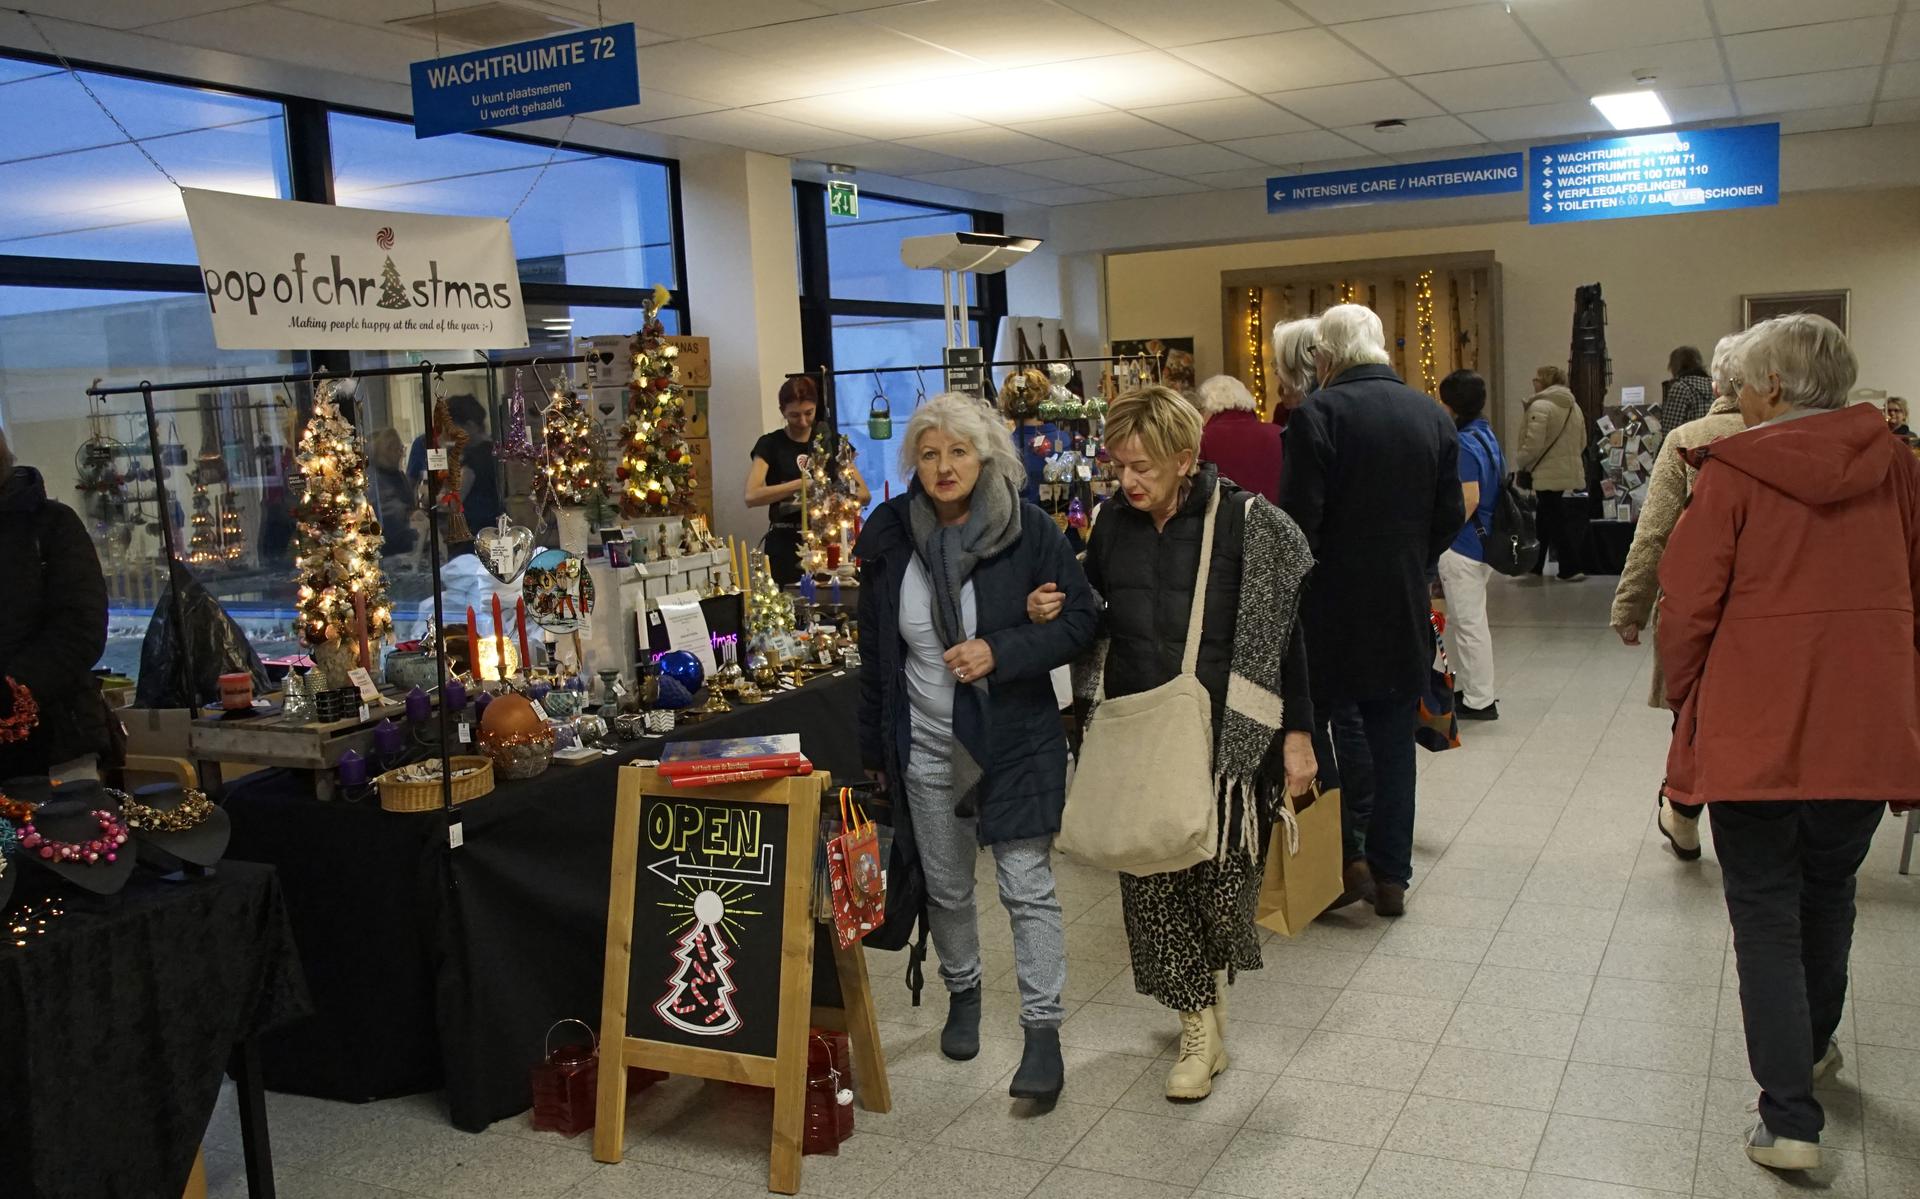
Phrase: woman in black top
(780, 463)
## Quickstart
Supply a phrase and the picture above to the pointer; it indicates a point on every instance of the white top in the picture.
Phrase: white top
(929, 683)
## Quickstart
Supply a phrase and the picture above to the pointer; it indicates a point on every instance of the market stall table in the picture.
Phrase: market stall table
(120, 1023)
(436, 965)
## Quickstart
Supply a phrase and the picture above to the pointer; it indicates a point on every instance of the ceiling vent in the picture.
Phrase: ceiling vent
(492, 24)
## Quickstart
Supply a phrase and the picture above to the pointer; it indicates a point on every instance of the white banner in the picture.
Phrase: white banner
(285, 275)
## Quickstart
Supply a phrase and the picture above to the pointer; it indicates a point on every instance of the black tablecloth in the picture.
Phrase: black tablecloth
(1607, 544)
(435, 965)
(116, 1026)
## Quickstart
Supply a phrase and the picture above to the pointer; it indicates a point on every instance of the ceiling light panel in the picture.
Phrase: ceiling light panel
(1634, 110)
(1160, 23)
(1277, 62)
(1595, 25)
(1443, 41)
(1353, 103)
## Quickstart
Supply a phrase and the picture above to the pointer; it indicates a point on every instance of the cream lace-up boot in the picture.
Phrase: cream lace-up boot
(1202, 1055)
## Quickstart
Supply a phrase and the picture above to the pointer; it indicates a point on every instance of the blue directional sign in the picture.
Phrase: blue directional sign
(1697, 170)
(1480, 176)
(562, 76)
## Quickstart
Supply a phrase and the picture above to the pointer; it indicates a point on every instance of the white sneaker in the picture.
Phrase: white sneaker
(1682, 832)
(1829, 1063)
(1781, 1153)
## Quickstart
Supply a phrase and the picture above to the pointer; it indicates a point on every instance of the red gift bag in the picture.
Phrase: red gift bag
(853, 866)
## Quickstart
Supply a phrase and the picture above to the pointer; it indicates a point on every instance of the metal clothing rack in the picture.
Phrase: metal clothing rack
(428, 372)
(1157, 360)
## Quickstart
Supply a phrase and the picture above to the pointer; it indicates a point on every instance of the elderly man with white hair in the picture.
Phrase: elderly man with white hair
(1372, 477)
(1244, 447)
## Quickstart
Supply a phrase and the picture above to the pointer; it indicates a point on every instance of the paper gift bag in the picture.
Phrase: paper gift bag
(1303, 865)
(853, 866)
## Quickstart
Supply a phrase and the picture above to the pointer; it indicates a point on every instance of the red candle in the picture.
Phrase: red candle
(499, 640)
(360, 629)
(473, 643)
(520, 616)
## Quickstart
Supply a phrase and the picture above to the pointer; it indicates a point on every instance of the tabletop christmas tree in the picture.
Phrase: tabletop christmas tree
(570, 475)
(656, 467)
(831, 506)
(769, 609)
(336, 541)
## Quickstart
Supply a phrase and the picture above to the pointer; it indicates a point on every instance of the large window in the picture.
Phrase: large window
(862, 309)
(97, 282)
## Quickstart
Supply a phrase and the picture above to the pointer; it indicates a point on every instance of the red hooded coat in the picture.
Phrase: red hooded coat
(1787, 616)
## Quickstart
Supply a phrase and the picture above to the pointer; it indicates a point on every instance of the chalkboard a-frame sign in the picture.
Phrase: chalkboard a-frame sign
(709, 966)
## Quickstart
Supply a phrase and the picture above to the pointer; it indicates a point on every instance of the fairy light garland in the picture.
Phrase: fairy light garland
(1256, 352)
(1423, 323)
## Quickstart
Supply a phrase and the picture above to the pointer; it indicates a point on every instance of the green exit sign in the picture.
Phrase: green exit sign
(843, 199)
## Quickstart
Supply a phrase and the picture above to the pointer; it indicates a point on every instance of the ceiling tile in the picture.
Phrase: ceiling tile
(1290, 148)
(892, 158)
(839, 53)
(1013, 94)
(1819, 89)
(1235, 180)
(1338, 164)
(118, 14)
(1273, 61)
(1105, 133)
(1906, 43)
(1424, 133)
(1331, 11)
(881, 113)
(1819, 120)
(1187, 160)
(1138, 80)
(1162, 24)
(1595, 25)
(1158, 186)
(1902, 81)
(1443, 41)
(699, 18)
(1217, 120)
(704, 73)
(1063, 195)
(1086, 168)
(656, 106)
(1538, 121)
(986, 179)
(995, 147)
(1710, 103)
(751, 131)
(1511, 85)
(1894, 112)
(302, 39)
(1682, 64)
(1831, 46)
(981, 28)
(1743, 16)
(1352, 103)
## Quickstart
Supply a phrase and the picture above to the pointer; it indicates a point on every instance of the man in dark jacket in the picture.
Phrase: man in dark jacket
(53, 629)
(1372, 478)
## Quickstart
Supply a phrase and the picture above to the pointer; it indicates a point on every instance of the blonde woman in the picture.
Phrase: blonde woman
(1189, 930)
(1550, 457)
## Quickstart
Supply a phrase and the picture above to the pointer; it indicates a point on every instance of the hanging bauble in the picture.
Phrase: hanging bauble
(684, 668)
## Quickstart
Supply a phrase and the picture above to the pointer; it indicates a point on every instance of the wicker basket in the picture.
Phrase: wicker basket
(398, 796)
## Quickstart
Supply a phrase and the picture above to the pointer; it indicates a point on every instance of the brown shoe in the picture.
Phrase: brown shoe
(1359, 884)
(1390, 899)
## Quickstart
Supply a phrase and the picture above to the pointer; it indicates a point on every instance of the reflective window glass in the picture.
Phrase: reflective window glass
(863, 253)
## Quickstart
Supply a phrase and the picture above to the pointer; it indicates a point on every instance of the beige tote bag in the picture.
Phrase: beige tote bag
(1142, 797)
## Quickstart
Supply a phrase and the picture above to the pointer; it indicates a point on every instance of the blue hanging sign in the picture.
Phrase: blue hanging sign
(1482, 176)
(562, 76)
(1653, 174)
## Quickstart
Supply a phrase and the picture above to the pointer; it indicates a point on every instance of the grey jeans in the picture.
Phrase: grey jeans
(948, 849)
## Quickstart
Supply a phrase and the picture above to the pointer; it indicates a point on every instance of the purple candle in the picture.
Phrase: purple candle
(836, 591)
(480, 703)
(386, 737)
(353, 770)
(455, 695)
(418, 706)
(807, 589)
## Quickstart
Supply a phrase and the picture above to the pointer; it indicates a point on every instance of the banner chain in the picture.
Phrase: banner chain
(101, 104)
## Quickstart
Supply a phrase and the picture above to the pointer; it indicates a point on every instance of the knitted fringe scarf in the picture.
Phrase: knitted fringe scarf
(1274, 563)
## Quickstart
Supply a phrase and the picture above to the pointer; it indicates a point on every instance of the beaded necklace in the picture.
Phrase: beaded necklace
(106, 846)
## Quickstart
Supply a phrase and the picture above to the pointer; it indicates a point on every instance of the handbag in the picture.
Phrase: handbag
(853, 868)
(1142, 796)
(1438, 728)
(1304, 865)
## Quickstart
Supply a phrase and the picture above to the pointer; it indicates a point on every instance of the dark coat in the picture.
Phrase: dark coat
(1025, 787)
(1145, 579)
(53, 626)
(1372, 478)
(1246, 449)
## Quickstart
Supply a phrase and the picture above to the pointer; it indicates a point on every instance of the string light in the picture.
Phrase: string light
(1423, 323)
(656, 469)
(337, 537)
(1256, 351)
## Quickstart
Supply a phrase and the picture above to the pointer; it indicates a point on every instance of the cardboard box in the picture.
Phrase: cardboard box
(695, 361)
(703, 475)
(693, 402)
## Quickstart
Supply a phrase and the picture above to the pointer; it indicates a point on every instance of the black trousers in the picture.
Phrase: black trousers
(1346, 762)
(1383, 831)
(1788, 868)
(1563, 529)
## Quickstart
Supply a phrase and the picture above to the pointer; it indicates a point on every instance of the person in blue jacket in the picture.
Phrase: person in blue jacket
(1463, 567)
(958, 717)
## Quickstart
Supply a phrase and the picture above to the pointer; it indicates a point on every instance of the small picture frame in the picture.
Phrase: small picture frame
(698, 533)
(1836, 306)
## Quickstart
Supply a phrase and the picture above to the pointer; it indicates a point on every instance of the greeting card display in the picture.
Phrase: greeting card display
(558, 591)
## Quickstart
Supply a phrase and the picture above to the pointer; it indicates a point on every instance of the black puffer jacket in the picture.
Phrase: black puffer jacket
(1145, 577)
(53, 626)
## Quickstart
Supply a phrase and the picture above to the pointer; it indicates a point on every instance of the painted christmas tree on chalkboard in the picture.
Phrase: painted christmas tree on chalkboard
(700, 1000)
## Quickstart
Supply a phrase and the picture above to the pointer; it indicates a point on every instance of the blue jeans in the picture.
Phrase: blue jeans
(1377, 823)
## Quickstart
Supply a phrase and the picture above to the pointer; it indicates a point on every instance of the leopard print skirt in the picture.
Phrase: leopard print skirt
(1184, 925)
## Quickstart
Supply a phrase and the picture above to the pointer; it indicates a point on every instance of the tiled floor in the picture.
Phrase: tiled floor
(1554, 1018)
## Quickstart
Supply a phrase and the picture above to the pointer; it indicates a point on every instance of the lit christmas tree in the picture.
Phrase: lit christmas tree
(656, 467)
(336, 536)
(832, 507)
(570, 475)
(700, 995)
(233, 536)
(393, 293)
(200, 544)
(769, 609)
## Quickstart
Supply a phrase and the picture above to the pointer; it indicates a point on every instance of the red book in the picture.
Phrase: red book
(719, 778)
(779, 752)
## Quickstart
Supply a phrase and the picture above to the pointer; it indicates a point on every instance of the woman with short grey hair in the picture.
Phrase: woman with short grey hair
(1293, 375)
(958, 719)
(1244, 447)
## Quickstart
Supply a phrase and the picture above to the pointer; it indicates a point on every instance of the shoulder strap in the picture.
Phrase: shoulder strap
(1196, 611)
(1566, 418)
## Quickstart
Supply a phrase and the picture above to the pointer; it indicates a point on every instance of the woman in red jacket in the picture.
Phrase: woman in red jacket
(1798, 694)
(1235, 439)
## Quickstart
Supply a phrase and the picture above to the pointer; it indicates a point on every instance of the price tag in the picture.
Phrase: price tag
(437, 459)
(359, 677)
(619, 689)
(466, 732)
(456, 835)
(365, 714)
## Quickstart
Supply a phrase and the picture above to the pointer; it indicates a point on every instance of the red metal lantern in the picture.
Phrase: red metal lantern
(564, 1084)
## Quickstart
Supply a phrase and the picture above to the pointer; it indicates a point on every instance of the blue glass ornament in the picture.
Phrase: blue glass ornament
(673, 694)
(684, 669)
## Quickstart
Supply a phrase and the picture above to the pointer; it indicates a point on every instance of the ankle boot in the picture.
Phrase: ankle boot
(960, 1039)
(1041, 1073)
(1202, 1055)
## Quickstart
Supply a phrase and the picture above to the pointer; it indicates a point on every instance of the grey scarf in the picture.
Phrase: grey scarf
(950, 554)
